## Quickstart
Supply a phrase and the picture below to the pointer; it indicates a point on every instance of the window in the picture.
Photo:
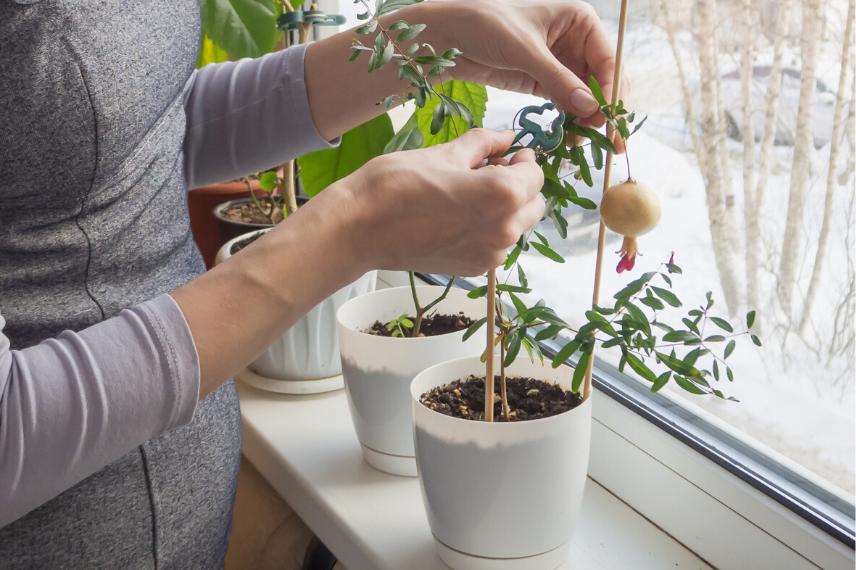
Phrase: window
(793, 428)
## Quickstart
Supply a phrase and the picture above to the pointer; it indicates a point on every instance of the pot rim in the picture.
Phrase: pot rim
(398, 339)
(492, 425)
(225, 251)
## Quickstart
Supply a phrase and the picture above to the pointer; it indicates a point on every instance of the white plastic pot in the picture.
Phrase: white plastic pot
(305, 360)
(378, 370)
(501, 495)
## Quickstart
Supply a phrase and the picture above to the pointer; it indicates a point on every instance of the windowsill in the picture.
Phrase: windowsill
(306, 448)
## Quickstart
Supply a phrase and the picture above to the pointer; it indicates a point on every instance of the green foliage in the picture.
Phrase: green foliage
(242, 28)
(472, 96)
(210, 52)
(400, 326)
(359, 145)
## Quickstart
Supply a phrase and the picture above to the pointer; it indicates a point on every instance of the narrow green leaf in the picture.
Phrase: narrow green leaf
(661, 381)
(548, 252)
(473, 328)
(729, 348)
(750, 319)
(755, 340)
(722, 323)
(580, 372)
(667, 296)
(565, 353)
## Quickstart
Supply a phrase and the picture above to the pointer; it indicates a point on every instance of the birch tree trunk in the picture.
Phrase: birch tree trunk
(771, 117)
(803, 146)
(689, 106)
(715, 153)
(747, 68)
(835, 143)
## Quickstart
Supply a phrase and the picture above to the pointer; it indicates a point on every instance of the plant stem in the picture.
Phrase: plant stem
(503, 389)
(255, 200)
(417, 323)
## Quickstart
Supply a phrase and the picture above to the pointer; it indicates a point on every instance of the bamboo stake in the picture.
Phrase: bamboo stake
(491, 338)
(607, 170)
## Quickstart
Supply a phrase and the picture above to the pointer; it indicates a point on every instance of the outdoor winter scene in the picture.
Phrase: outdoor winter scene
(749, 143)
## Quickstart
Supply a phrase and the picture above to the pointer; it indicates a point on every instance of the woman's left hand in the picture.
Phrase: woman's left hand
(546, 47)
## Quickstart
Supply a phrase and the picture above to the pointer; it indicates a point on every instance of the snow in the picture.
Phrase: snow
(795, 400)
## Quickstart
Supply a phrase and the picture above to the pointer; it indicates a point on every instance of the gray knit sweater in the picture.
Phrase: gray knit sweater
(106, 459)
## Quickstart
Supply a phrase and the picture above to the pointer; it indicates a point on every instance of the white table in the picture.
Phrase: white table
(305, 446)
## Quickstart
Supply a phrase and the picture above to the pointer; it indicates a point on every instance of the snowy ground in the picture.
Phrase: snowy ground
(793, 400)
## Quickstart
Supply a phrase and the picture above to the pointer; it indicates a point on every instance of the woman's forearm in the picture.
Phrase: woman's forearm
(241, 306)
(341, 93)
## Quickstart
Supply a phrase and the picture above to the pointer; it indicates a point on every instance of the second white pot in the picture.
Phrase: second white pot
(501, 496)
(305, 360)
(378, 370)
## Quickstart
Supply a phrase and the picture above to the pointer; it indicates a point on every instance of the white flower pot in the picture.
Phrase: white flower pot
(305, 360)
(501, 495)
(378, 370)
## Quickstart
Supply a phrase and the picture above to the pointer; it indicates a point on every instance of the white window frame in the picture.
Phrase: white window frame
(716, 514)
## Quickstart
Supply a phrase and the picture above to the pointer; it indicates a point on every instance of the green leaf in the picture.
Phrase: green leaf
(478, 292)
(715, 370)
(688, 385)
(398, 25)
(596, 91)
(507, 288)
(639, 367)
(473, 328)
(583, 202)
(729, 348)
(411, 32)
(652, 302)
(565, 353)
(679, 336)
(405, 139)
(211, 53)
(268, 180)
(512, 257)
(755, 340)
(580, 371)
(661, 381)
(750, 319)
(730, 374)
(472, 95)
(547, 252)
(667, 296)
(714, 338)
(391, 5)
(676, 364)
(722, 323)
(548, 332)
(243, 28)
(513, 348)
(359, 145)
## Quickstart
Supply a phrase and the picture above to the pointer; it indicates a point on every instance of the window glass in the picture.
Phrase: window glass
(782, 245)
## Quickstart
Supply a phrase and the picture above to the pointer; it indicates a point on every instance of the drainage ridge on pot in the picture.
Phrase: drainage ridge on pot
(501, 495)
(378, 370)
(304, 360)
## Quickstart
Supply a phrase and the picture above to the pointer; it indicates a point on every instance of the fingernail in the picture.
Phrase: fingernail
(583, 102)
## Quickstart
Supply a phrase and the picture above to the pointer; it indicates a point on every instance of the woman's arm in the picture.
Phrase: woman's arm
(70, 405)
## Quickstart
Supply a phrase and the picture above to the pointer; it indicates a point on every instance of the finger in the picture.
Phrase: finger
(476, 145)
(497, 161)
(522, 155)
(531, 213)
(561, 85)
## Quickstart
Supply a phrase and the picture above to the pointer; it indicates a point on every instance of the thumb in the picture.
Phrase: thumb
(562, 85)
(475, 145)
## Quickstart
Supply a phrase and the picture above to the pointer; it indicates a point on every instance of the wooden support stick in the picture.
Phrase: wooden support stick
(607, 170)
(491, 338)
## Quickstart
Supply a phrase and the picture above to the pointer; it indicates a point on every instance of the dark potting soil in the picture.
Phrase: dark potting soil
(528, 399)
(246, 213)
(239, 245)
(432, 325)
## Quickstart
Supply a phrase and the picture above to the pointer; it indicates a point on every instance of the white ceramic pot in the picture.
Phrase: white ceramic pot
(501, 495)
(305, 360)
(378, 370)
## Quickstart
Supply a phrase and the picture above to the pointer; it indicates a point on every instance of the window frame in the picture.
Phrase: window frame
(753, 504)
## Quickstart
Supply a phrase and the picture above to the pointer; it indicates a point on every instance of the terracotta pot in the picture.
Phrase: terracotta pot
(207, 230)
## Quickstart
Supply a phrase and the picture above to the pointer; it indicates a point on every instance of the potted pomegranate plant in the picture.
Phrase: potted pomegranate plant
(502, 458)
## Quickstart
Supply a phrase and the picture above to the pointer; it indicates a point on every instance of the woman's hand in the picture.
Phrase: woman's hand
(443, 209)
(546, 47)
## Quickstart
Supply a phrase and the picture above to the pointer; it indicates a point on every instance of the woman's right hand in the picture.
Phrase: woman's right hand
(443, 209)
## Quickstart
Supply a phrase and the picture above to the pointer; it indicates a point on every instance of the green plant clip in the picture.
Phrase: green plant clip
(546, 141)
(298, 18)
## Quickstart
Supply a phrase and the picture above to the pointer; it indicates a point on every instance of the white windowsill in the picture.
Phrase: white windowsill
(306, 448)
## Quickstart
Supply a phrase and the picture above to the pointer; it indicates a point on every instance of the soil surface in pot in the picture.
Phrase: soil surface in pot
(528, 399)
(432, 325)
(246, 213)
(239, 245)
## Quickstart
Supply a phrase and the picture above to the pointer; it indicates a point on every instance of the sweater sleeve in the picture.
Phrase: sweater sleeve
(71, 405)
(247, 116)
